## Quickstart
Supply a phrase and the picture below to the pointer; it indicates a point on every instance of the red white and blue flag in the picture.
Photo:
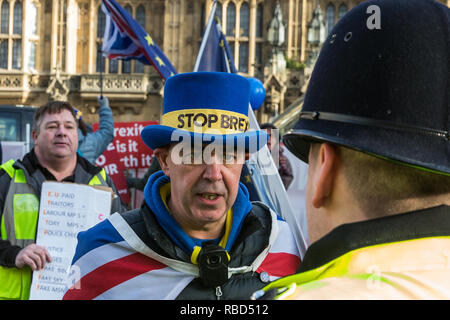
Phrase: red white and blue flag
(112, 262)
(125, 39)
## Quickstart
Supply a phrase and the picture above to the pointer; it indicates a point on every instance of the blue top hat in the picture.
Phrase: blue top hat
(211, 106)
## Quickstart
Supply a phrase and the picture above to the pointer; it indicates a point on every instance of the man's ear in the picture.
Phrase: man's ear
(325, 174)
(34, 135)
(162, 154)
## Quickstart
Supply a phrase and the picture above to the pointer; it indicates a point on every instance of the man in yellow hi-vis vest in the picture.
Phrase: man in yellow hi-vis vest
(375, 130)
(54, 157)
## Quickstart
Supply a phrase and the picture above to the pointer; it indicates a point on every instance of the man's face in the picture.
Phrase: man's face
(57, 137)
(202, 193)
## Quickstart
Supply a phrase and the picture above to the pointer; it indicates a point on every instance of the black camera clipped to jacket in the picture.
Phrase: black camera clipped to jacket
(213, 263)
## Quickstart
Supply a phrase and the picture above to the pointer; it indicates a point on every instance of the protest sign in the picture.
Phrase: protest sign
(65, 209)
(126, 152)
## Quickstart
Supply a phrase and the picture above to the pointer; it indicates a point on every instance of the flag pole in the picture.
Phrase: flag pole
(205, 37)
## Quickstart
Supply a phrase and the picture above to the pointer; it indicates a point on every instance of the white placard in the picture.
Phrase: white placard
(65, 209)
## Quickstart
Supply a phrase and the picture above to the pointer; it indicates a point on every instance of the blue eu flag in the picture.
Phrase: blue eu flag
(215, 54)
(125, 39)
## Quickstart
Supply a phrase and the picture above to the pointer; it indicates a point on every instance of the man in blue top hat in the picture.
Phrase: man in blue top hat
(197, 235)
(375, 130)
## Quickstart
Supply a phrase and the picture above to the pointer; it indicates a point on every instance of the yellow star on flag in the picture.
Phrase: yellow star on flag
(161, 63)
(149, 39)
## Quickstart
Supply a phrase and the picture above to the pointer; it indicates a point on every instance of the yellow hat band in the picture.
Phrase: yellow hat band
(212, 121)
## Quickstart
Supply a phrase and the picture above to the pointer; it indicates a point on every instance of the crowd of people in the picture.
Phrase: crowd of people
(373, 134)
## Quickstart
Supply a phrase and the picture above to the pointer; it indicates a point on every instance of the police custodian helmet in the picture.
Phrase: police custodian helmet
(381, 85)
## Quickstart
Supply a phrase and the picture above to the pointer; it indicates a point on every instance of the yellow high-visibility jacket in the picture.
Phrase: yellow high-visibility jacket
(405, 256)
(18, 226)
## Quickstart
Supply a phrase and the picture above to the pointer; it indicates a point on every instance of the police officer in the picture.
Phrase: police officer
(375, 131)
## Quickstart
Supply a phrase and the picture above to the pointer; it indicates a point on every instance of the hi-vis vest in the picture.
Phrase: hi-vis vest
(397, 257)
(410, 269)
(18, 225)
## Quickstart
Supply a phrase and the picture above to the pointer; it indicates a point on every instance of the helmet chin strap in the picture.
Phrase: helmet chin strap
(344, 118)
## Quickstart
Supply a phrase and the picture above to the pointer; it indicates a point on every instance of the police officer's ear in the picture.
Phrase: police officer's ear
(162, 154)
(323, 160)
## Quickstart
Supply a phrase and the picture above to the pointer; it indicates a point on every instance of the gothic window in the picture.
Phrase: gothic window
(245, 20)
(17, 21)
(11, 34)
(5, 18)
(4, 30)
(342, 11)
(231, 19)
(4, 53)
(259, 41)
(126, 66)
(113, 66)
(259, 21)
(242, 37)
(243, 57)
(231, 45)
(329, 17)
(101, 22)
(17, 54)
(258, 59)
(140, 16)
(100, 62)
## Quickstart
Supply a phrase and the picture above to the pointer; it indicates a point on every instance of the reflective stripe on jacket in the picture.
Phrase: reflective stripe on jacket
(18, 226)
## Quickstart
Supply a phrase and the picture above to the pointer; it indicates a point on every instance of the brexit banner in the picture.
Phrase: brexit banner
(127, 152)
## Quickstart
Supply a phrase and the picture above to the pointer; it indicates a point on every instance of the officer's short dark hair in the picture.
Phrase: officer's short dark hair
(378, 184)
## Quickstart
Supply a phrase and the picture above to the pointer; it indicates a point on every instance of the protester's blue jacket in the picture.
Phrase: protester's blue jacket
(93, 144)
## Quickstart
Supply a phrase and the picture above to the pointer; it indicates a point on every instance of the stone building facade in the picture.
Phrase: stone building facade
(50, 50)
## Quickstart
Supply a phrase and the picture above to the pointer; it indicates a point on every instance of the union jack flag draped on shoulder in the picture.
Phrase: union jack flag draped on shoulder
(125, 39)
